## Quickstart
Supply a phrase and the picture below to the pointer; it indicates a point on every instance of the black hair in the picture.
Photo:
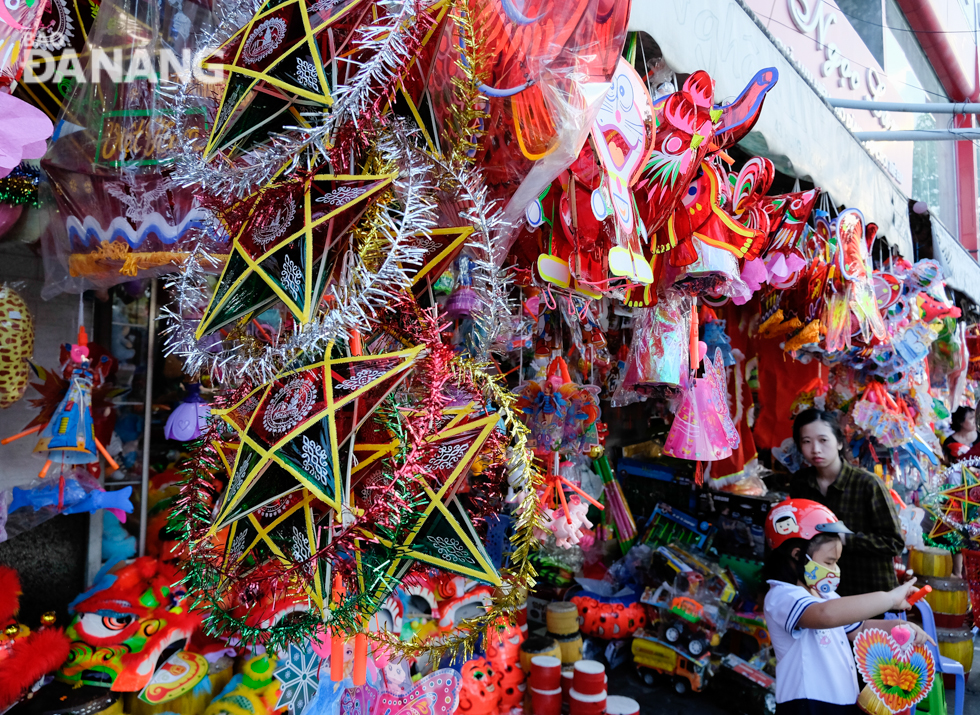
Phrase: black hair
(812, 415)
(780, 564)
(959, 417)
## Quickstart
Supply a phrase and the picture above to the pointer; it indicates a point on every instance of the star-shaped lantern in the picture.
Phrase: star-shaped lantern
(441, 534)
(274, 65)
(279, 252)
(301, 420)
(960, 503)
(287, 530)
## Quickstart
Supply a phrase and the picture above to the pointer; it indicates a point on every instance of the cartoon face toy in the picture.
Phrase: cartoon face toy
(623, 133)
(784, 520)
(479, 693)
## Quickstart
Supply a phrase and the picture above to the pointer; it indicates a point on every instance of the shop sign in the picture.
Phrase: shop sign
(816, 34)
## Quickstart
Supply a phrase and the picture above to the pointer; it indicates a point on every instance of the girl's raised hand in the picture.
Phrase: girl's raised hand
(900, 595)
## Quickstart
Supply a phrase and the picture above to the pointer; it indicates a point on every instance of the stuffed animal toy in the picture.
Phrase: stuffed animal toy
(570, 534)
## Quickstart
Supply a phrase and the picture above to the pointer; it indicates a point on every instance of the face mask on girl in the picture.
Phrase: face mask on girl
(820, 577)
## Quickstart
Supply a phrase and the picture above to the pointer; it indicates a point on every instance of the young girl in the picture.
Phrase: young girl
(810, 624)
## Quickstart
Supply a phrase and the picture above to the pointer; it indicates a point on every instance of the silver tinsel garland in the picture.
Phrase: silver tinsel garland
(389, 51)
(358, 299)
(494, 315)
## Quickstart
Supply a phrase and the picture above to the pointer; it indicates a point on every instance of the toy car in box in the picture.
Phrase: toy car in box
(651, 655)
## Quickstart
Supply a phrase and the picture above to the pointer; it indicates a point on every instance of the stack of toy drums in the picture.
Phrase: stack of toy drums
(537, 645)
(587, 695)
(949, 600)
(561, 618)
(545, 685)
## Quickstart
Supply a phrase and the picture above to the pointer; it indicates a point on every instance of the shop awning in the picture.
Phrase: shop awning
(961, 270)
(796, 129)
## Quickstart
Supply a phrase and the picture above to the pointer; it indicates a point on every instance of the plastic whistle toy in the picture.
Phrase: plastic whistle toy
(919, 595)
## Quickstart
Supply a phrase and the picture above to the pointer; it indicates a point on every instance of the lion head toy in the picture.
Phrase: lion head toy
(121, 628)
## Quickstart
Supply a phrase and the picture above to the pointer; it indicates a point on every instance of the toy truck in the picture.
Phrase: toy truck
(689, 624)
(750, 690)
(651, 655)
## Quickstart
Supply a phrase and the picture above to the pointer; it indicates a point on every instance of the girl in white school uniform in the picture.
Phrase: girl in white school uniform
(809, 624)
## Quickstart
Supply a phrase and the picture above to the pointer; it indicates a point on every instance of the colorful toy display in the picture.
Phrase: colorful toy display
(496, 321)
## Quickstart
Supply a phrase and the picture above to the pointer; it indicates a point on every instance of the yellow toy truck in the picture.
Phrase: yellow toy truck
(686, 673)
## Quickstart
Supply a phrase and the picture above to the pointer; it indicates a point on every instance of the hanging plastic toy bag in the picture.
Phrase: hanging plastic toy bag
(855, 267)
(120, 215)
(703, 429)
(659, 350)
(546, 67)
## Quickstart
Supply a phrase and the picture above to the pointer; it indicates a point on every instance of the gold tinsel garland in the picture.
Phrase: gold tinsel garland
(520, 577)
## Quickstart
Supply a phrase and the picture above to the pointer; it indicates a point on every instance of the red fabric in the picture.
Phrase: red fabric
(738, 390)
(780, 380)
(30, 658)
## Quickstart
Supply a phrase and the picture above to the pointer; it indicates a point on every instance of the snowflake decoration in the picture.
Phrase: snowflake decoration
(239, 478)
(291, 277)
(299, 674)
(451, 549)
(316, 461)
(360, 380)
(302, 553)
(448, 456)
(237, 547)
(341, 195)
(306, 74)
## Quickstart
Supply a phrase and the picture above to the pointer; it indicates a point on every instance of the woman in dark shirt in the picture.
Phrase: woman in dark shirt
(963, 442)
(857, 497)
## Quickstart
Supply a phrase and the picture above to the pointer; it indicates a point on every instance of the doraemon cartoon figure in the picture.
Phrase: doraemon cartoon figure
(623, 134)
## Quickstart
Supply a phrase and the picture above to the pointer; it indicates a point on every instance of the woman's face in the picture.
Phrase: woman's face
(970, 421)
(818, 444)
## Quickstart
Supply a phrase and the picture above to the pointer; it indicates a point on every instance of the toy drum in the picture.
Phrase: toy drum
(589, 678)
(571, 648)
(619, 705)
(581, 704)
(930, 561)
(950, 600)
(546, 702)
(872, 704)
(538, 645)
(562, 618)
(545, 673)
(956, 643)
(567, 676)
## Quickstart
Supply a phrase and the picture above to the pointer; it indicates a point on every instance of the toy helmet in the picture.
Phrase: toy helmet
(800, 519)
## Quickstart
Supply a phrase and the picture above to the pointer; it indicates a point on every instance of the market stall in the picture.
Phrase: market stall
(432, 360)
